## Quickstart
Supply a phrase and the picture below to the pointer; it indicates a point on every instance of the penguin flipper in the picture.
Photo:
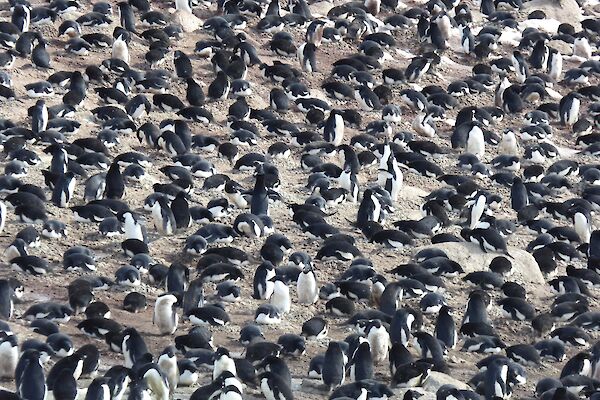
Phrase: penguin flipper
(508, 254)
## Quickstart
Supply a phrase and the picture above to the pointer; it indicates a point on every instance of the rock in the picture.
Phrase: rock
(472, 259)
(320, 8)
(562, 10)
(189, 22)
(438, 379)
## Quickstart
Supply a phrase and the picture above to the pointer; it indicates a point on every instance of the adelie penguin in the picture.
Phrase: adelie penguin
(165, 314)
(164, 220)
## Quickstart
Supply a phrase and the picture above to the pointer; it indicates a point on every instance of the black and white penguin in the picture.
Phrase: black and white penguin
(165, 314)
(306, 286)
(163, 218)
(274, 387)
(568, 108)
(334, 366)
(30, 381)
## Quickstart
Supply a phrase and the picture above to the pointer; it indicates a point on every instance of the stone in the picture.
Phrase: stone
(472, 258)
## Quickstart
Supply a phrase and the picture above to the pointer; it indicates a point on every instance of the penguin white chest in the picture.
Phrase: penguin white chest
(476, 142)
(379, 340)
(281, 297)
(307, 288)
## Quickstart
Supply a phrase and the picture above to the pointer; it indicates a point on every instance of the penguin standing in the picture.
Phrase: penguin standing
(183, 5)
(167, 362)
(64, 189)
(496, 381)
(369, 209)
(307, 57)
(181, 211)
(508, 144)
(348, 180)
(165, 315)
(518, 195)
(21, 16)
(476, 141)
(582, 222)
(126, 16)
(263, 284)
(568, 108)
(259, 204)
(2, 216)
(477, 210)
(361, 365)
(467, 40)
(39, 117)
(6, 300)
(219, 88)
(281, 296)
(308, 292)
(555, 64)
(223, 362)
(333, 130)
(39, 55)
(132, 226)
(115, 186)
(9, 356)
(30, 381)
(445, 328)
(156, 381)
(164, 220)
(133, 346)
(333, 373)
(120, 49)
(183, 65)
(520, 66)
(379, 341)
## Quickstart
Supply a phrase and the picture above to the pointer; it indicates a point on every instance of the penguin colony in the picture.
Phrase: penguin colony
(229, 219)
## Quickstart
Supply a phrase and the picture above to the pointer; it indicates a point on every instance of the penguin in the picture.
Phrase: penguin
(9, 350)
(219, 87)
(223, 363)
(334, 366)
(361, 365)
(259, 203)
(554, 64)
(333, 130)
(306, 54)
(165, 314)
(156, 380)
(379, 341)
(274, 387)
(518, 195)
(445, 328)
(21, 17)
(568, 109)
(164, 220)
(475, 142)
(496, 381)
(306, 286)
(263, 284)
(39, 55)
(126, 16)
(133, 347)
(39, 117)
(64, 189)
(30, 381)
(280, 298)
(167, 362)
(132, 226)
(67, 390)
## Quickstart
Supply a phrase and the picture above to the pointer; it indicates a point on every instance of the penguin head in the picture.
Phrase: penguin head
(220, 352)
(169, 351)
